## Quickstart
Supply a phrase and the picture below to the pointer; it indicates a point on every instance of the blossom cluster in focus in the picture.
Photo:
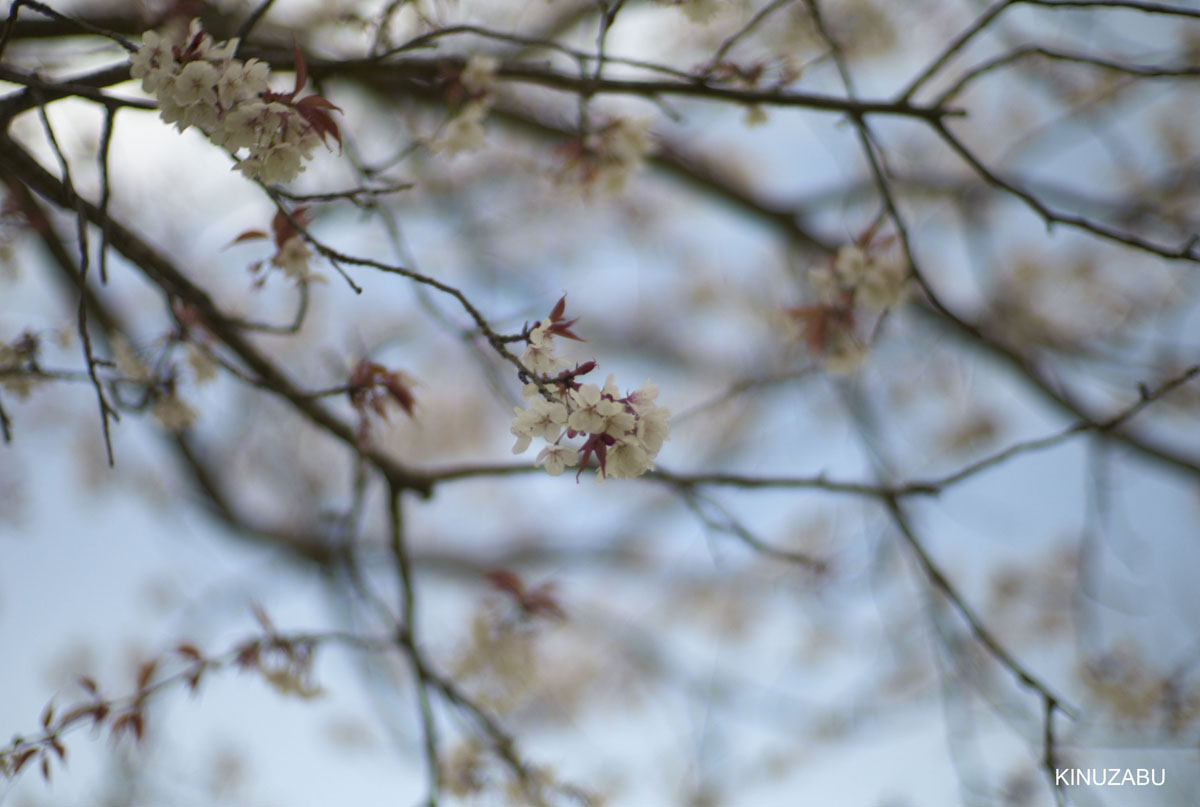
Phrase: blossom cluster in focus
(623, 433)
(199, 83)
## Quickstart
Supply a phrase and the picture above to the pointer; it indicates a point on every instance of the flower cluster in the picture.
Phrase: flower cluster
(291, 253)
(19, 369)
(373, 387)
(856, 276)
(874, 278)
(609, 156)
(199, 83)
(624, 433)
(465, 131)
(698, 11)
(160, 392)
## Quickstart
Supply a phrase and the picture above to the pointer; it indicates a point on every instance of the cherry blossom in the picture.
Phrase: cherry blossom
(622, 433)
(201, 84)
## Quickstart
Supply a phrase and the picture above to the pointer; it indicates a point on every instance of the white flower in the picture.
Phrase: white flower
(845, 355)
(254, 77)
(204, 369)
(464, 132)
(610, 387)
(618, 422)
(240, 126)
(555, 458)
(479, 74)
(129, 364)
(539, 354)
(173, 414)
(230, 83)
(171, 112)
(643, 400)
(591, 410)
(626, 459)
(152, 62)
(282, 163)
(755, 115)
(202, 116)
(823, 283)
(850, 264)
(196, 84)
(653, 429)
(617, 151)
(885, 283)
(221, 53)
(628, 141)
(293, 257)
(159, 77)
(542, 418)
(701, 11)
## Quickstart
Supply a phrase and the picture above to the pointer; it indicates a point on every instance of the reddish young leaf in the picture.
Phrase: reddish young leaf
(283, 228)
(99, 713)
(541, 601)
(506, 581)
(145, 673)
(563, 329)
(121, 724)
(46, 767)
(596, 446)
(22, 758)
(260, 616)
(189, 651)
(400, 393)
(557, 313)
(248, 235)
(247, 655)
(301, 69)
(313, 110)
(48, 715)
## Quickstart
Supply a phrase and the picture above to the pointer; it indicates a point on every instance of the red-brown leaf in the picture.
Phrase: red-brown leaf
(563, 329)
(559, 308)
(247, 655)
(301, 69)
(283, 228)
(189, 651)
(505, 580)
(145, 673)
(22, 758)
(401, 394)
(88, 684)
(260, 615)
(99, 713)
(248, 235)
(313, 110)
(541, 601)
